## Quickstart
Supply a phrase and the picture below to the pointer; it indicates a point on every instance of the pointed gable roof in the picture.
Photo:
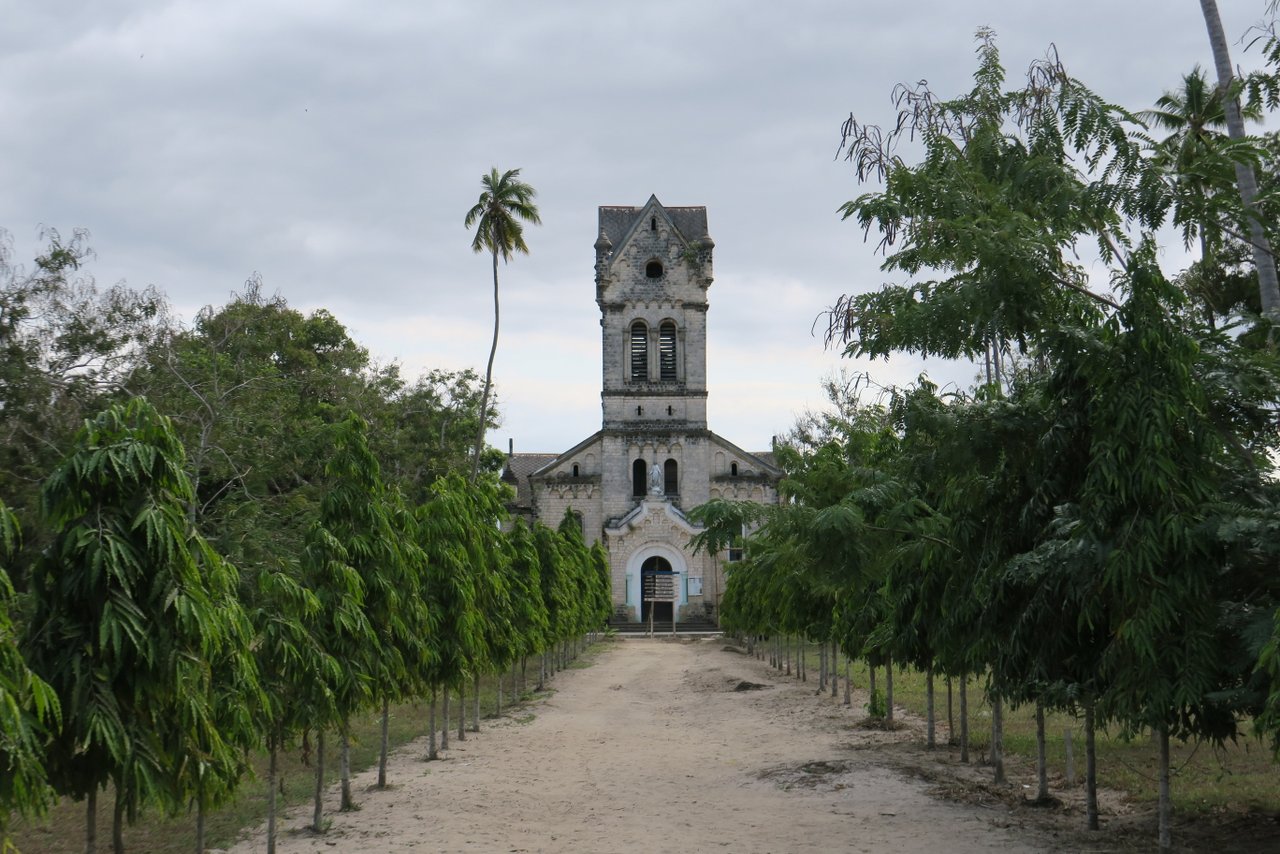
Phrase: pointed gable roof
(619, 222)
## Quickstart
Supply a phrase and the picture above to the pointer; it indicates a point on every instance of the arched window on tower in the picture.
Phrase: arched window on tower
(639, 478)
(671, 477)
(667, 351)
(639, 351)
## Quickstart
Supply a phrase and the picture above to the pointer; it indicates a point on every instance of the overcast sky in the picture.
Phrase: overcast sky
(334, 147)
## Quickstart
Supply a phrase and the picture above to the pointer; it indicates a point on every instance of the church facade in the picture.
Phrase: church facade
(654, 456)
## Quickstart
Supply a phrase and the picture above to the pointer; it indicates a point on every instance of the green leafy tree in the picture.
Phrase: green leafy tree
(29, 708)
(529, 615)
(66, 346)
(505, 205)
(357, 566)
(131, 610)
(446, 530)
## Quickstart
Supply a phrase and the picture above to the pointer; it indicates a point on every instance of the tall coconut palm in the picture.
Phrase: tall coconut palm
(1197, 154)
(505, 204)
(1268, 284)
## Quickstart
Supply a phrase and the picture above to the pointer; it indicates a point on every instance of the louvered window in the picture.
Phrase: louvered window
(639, 351)
(667, 351)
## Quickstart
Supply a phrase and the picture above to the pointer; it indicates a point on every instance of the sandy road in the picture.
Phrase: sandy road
(652, 749)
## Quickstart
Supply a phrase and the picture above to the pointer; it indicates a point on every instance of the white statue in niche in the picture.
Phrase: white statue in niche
(657, 483)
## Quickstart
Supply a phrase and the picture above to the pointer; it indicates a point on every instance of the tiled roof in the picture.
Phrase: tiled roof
(517, 471)
(616, 221)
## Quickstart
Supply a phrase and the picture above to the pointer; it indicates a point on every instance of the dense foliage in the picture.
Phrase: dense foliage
(237, 536)
(1088, 528)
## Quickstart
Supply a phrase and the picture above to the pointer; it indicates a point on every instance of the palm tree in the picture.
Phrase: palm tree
(1268, 284)
(1195, 155)
(505, 204)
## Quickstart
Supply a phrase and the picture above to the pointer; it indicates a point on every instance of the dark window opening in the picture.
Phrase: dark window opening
(653, 270)
(671, 410)
(733, 469)
(639, 477)
(653, 223)
(575, 469)
(670, 478)
(639, 351)
(667, 351)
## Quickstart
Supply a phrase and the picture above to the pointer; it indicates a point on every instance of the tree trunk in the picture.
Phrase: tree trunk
(1090, 767)
(930, 739)
(822, 668)
(344, 765)
(888, 691)
(1164, 810)
(91, 822)
(317, 821)
(200, 821)
(462, 709)
(497, 702)
(432, 753)
(871, 669)
(382, 749)
(1268, 284)
(951, 720)
(488, 375)
(997, 738)
(475, 702)
(117, 823)
(1042, 762)
(444, 718)
(273, 771)
(848, 681)
(964, 717)
(834, 658)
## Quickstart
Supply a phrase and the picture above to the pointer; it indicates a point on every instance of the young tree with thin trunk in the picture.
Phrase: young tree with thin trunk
(131, 609)
(28, 707)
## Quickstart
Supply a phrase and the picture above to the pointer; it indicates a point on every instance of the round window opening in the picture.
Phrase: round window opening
(653, 270)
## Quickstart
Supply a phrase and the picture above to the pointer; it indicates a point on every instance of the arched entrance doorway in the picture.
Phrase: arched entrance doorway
(655, 575)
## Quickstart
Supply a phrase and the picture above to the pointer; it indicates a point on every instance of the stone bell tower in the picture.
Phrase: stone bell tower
(653, 268)
(654, 457)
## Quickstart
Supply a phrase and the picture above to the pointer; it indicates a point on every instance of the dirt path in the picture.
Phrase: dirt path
(652, 749)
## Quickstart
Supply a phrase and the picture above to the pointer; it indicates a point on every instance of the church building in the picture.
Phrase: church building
(654, 456)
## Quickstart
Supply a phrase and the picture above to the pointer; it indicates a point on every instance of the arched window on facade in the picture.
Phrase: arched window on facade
(639, 478)
(639, 351)
(671, 477)
(575, 470)
(667, 351)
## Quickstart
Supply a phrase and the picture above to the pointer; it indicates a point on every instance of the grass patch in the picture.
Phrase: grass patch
(1238, 778)
(61, 830)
